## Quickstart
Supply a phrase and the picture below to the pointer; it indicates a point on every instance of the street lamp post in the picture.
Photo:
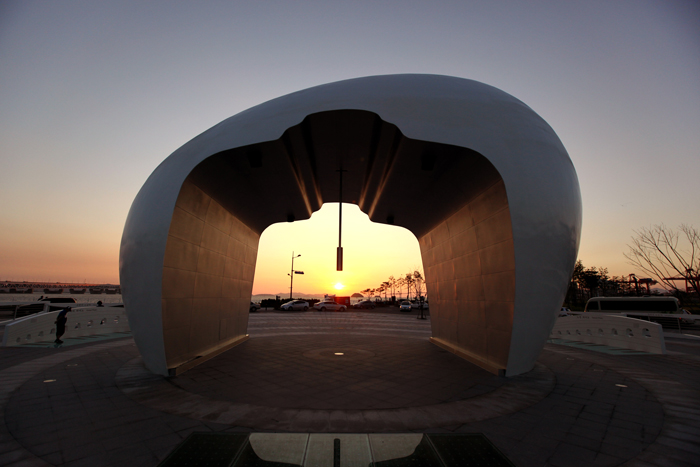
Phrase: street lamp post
(291, 276)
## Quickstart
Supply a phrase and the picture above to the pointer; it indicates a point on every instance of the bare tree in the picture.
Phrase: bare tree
(667, 253)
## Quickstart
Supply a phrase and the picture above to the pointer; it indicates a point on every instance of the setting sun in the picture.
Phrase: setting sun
(373, 252)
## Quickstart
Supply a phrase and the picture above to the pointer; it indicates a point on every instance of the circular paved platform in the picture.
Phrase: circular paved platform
(348, 372)
(96, 405)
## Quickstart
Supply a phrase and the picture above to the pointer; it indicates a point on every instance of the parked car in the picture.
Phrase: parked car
(687, 320)
(295, 305)
(254, 307)
(416, 305)
(369, 304)
(328, 305)
(564, 312)
(405, 306)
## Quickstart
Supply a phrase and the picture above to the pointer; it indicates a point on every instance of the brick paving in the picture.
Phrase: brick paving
(95, 405)
(392, 373)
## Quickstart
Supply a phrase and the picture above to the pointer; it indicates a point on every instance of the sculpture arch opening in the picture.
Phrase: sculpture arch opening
(498, 235)
(372, 253)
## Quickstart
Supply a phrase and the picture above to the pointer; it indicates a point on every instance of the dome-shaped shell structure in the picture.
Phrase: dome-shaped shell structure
(494, 203)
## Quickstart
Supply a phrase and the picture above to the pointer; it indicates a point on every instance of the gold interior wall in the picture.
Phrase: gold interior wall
(469, 265)
(208, 275)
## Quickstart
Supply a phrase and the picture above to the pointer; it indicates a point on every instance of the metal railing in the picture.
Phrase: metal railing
(13, 311)
(84, 321)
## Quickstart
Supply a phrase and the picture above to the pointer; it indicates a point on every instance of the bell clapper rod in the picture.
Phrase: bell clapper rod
(339, 253)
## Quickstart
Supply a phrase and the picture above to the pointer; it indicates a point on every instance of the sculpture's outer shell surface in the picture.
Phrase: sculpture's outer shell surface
(495, 205)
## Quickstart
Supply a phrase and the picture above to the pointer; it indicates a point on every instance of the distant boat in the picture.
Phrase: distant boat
(96, 291)
(77, 291)
(54, 291)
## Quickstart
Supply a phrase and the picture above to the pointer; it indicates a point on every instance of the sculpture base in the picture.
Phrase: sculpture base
(178, 370)
(466, 355)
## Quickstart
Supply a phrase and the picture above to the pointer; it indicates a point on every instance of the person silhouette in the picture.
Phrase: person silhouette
(61, 320)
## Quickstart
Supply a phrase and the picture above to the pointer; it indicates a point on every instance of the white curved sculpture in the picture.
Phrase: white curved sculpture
(494, 201)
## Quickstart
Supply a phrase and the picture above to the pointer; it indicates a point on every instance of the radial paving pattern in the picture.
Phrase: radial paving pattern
(96, 405)
(304, 372)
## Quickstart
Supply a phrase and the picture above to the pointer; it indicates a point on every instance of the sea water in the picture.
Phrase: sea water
(87, 297)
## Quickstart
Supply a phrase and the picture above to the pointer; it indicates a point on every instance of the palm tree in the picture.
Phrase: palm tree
(418, 283)
(399, 285)
(409, 282)
(385, 287)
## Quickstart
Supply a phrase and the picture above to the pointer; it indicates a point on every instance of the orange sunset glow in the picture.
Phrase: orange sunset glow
(95, 99)
(372, 253)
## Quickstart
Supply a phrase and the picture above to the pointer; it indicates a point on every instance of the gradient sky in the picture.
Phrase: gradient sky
(94, 95)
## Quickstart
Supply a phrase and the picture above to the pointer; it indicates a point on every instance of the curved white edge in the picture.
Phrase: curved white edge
(141, 259)
(540, 180)
(615, 331)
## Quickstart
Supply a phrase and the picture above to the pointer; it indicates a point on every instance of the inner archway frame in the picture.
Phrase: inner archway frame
(481, 180)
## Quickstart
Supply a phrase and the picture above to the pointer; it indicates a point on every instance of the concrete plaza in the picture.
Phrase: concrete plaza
(355, 372)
